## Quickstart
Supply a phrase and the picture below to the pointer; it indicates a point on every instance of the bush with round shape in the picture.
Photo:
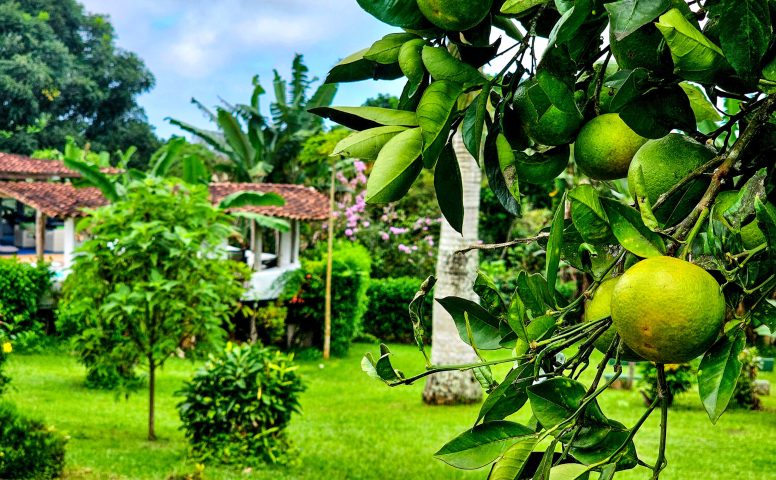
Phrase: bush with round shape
(668, 310)
(455, 15)
(598, 308)
(751, 234)
(664, 163)
(29, 449)
(605, 147)
(237, 407)
(542, 121)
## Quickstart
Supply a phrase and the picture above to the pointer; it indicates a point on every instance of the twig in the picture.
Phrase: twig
(662, 393)
(494, 246)
(599, 82)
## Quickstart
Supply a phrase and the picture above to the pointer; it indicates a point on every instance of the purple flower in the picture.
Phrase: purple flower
(384, 236)
(398, 230)
(404, 248)
(348, 232)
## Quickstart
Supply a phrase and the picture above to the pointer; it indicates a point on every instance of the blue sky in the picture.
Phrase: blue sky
(209, 49)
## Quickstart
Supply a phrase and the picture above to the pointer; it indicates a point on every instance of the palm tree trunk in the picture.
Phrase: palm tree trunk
(455, 276)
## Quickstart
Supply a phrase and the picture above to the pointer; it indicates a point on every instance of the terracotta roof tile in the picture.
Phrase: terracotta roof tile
(60, 200)
(64, 200)
(19, 167)
(302, 203)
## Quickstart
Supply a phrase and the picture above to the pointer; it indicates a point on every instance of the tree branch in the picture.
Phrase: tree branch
(495, 246)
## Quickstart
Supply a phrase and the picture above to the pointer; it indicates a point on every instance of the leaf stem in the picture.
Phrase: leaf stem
(687, 247)
(662, 393)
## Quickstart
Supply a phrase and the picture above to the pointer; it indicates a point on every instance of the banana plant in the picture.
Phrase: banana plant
(258, 148)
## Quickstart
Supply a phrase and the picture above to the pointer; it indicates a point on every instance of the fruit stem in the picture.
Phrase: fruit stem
(662, 393)
(687, 248)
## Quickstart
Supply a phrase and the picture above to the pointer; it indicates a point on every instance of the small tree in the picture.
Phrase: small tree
(150, 281)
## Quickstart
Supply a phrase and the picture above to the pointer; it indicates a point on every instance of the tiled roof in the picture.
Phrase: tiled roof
(302, 203)
(60, 200)
(63, 200)
(19, 167)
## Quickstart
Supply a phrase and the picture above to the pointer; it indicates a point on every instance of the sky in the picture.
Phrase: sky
(207, 49)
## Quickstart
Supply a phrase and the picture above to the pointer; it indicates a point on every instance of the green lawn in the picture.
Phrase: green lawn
(354, 427)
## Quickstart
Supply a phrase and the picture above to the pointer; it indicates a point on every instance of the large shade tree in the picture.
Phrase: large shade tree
(61, 74)
(687, 247)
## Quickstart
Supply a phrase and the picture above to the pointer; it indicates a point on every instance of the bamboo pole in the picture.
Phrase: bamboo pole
(329, 253)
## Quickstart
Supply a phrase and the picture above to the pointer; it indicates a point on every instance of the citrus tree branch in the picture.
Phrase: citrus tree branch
(761, 116)
(494, 246)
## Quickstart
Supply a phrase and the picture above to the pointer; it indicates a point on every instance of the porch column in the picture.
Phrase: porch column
(256, 245)
(285, 248)
(40, 234)
(69, 244)
(295, 232)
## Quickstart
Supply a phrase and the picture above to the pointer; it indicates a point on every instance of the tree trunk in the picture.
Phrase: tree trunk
(455, 276)
(151, 392)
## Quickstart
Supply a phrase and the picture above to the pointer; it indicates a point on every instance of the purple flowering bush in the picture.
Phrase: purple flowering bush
(401, 236)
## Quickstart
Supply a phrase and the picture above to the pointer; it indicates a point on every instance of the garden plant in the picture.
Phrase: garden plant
(677, 97)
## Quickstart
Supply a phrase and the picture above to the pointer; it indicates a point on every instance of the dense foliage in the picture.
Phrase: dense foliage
(151, 280)
(671, 123)
(236, 409)
(62, 75)
(304, 296)
(21, 287)
(679, 379)
(29, 450)
(386, 317)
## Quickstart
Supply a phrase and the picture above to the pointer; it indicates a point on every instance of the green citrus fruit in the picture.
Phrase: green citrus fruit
(455, 15)
(598, 307)
(605, 146)
(668, 310)
(542, 167)
(664, 163)
(542, 121)
(751, 234)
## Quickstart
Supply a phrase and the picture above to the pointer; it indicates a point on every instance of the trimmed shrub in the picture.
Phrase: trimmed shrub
(679, 378)
(236, 409)
(21, 287)
(387, 317)
(305, 292)
(28, 448)
(745, 393)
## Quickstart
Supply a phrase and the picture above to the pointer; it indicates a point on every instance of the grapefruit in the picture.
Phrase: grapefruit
(605, 146)
(599, 307)
(542, 121)
(664, 163)
(668, 310)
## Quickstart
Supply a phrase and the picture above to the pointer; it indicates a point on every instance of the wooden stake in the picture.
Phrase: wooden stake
(40, 235)
(330, 250)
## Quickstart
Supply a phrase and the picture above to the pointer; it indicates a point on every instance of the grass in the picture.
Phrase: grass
(355, 428)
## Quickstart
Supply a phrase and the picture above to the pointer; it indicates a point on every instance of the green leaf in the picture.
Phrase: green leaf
(559, 90)
(569, 24)
(435, 112)
(569, 471)
(629, 84)
(484, 326)
(384, 367)
(235, 137)
(743, 207)
(248, 198)
(474, 122)
(534, 293)
(265, 221)
(588, 214)
(606, 446)
(416, 310)
(516, 317)
(514, 7)
(501, 172)
(448, 186)
(695, 57)
(397, 166)
(702, 108)
(443, 66)
(608, 471)
(386, 50)
(719, 372)
(642, 200)
(555, 400)
(766, 220)
(399, 13)
(554, 245)
(94, 176)
(744, 33)
(490, 296)
(513, 462)
(627, 16)
(355, 68)
(366, 144)
(509, 396)
(631, 232)
(362, 118)
(411, 64)
(482, 444)
(658, 111)
(194, 170)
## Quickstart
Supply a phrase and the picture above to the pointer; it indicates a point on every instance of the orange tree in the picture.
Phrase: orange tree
(677, 97)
